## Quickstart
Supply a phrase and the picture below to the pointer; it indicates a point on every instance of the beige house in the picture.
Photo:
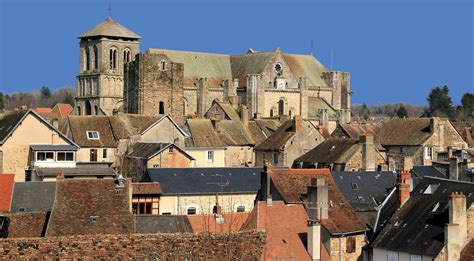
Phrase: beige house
(19, 131)
(292, 139)
(204, 144)
(419, 139)
(197, 191)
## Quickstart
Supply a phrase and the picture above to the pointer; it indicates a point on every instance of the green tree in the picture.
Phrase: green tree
(440, 103)
(467, 102)
(365, 112)
(402, 112)
(2, 103)
(45, 92)
(69, 99)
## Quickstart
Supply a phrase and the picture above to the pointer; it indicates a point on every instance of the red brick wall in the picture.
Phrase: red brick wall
(233, 246)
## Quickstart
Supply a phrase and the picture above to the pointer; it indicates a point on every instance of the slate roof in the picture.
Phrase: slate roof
(6, 191)
(196, 181)
(291, 185)
(427, 171)
(90, 207)
(110, 27)
(150, 224)
(76, 172)
(315, 104)
(55, 147)
(286, 231)
(33, 196)
(332, 150)
(203, 134)
(416, 228)
(365, 191)
(406, 131)
(214, 67)
(279, 138)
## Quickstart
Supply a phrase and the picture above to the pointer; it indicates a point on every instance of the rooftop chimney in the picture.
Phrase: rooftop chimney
(403, 186)
(452, 242)
(368, 151)
(265, 183)
(317, 206)
(453, 168)
(298, 123)
(458, 214)
(244, 115)
(218, 210)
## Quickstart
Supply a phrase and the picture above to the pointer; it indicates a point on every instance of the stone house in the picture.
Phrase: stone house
(305, 217)
(292, 139)
(28, 141)
(204, 144)
(145, 155)
(418, 138)
(344, 154)
(434, 222)
(192, 191)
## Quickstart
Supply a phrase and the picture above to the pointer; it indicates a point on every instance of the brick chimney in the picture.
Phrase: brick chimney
(368, 151)
(403, 186)
(458, 214)
(244, 115)
(453, 168)
(297, 123)
(265, 183)
(317, 206)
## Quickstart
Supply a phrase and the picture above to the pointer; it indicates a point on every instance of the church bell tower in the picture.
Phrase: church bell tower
(104, 50)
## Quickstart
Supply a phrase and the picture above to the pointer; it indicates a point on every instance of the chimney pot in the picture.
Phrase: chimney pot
(453, 168)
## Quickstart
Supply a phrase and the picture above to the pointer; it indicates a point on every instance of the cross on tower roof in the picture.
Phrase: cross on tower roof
(110, 10)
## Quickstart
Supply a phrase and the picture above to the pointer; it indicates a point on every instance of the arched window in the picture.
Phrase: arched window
(281, 107)
(88, 110)
(271, 112)
(126, 56)
(96, 57)
(88, 59)
(113, 58)
(161, 109)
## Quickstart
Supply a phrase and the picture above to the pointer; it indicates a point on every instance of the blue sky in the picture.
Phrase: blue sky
(396, 51)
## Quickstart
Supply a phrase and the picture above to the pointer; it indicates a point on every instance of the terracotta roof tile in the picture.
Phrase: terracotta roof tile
(6, 190)
(407, 131)
(26, 224)
(292, 185)
(146, 188)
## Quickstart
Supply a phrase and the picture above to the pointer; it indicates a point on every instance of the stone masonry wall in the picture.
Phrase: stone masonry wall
(235, 246)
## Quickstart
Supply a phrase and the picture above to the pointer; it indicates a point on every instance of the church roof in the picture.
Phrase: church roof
(110, 27)
(303, 65)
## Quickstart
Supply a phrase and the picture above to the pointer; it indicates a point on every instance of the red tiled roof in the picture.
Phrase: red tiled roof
(61, 110)
(284, 225)
(293, 183)
(6, 189)
(207, 223)
(42, 110)
(146, 188)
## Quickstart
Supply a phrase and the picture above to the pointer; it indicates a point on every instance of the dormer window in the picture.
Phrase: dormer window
(93, 135)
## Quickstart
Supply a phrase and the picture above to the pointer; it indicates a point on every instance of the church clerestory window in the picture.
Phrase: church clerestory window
(88, 59)
(96, 57)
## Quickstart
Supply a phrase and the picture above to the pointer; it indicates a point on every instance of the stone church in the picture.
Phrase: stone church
(115, 77)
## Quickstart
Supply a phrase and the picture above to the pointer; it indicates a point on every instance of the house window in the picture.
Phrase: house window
(170, 150)
(275, 158)
(44, 156)
(104, 153)
(65, 156)
(350, 244)
(428, 153)
(210, 156)
(392, 256)
(415, 257)
(145, 205)
(156, 166)
(92, 135)
(161, 109)
(354, 186)
(241, 209)
(191, 211)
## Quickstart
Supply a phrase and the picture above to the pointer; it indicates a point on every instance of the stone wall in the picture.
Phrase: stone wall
(340, 247)
(239, 156)
(229, 246)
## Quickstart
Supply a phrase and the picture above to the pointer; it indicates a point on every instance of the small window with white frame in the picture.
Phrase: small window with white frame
(44, 156)
(65, 156)
(93, 135)
(210, 156)
(240, 209)
(191, 211)
(428, 153)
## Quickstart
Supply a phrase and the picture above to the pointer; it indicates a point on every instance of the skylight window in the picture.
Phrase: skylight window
(354, 186)
(93, 135)
(430, 190)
